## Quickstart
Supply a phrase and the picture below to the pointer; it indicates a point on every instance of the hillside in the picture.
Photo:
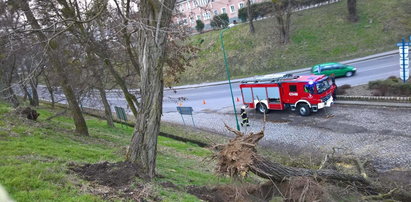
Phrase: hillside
(317, 35)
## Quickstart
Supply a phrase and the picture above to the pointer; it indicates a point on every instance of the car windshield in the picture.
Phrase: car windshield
(322, 86)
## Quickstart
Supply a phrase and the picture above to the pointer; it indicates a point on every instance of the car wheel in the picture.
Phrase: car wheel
(348, 74)
(304, 109)
(262, 108)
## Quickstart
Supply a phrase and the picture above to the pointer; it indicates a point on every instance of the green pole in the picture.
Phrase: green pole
(228, 76)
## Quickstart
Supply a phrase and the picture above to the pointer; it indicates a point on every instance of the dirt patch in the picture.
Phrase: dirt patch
(114, 181)
(237, 193)
(294, 189)
(107, 174)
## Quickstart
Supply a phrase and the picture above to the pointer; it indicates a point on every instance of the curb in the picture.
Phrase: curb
(379, 104)
(375, 98)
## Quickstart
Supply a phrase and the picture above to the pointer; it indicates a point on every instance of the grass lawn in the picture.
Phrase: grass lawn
(317, 36)
(35, 157)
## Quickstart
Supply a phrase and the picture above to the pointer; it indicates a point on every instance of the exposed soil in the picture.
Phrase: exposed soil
(114, 181)
(239, 193)
(294, 189)
(107, 174)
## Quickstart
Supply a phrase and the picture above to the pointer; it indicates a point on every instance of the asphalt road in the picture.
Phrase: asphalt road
(218, 97)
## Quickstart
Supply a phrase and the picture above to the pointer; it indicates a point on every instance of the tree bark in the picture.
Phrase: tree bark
(50, 90)
(79, 122)
(352, 10)
(250, 17)
(283, 11)
(35, 96)
(107, 109)
(278, 172)
(152, 45)
(6, 79)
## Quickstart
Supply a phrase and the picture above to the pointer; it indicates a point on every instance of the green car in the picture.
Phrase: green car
(337, 69)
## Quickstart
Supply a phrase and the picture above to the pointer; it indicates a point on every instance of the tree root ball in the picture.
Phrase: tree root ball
(28, 113)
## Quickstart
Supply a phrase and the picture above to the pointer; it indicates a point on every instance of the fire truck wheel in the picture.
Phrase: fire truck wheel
(262, 108)
(304, 109)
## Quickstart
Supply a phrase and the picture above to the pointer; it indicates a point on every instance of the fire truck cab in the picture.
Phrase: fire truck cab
(305, 94)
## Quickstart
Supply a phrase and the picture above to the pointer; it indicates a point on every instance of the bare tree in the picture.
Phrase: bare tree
(352, 10)
(51, 46)
(283, 10)
(151, 43)
(250, 17)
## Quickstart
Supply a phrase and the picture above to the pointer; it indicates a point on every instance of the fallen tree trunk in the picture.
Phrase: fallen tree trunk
(239, 157)
(278, 172)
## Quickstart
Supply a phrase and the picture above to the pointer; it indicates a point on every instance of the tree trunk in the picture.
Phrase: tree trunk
(35, 95)
(278, 172)
(130, 98)
(283, 11)
(50, 90)
(107, 109)
(151, 44)
(79, 122)
(250, 17)
(352, 10)
(240, 156)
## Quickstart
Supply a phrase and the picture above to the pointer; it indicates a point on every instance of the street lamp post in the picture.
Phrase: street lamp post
(228, 75)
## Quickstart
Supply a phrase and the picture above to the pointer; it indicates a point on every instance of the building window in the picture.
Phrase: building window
(198, 17)
(208, 15)
(241, 5)
(215, 12)
(223, 10)
(185, 21)
(232, 9)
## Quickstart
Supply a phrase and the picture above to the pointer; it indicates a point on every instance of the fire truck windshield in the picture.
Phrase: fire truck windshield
(322, 86)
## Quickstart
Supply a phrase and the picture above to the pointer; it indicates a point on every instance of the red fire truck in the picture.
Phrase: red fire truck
(305, 94)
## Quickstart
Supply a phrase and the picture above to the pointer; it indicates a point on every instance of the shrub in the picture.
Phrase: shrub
(220, 21)
(257, 10)
(390, 86)
(340, 91)
(199, 25)
(345, 86)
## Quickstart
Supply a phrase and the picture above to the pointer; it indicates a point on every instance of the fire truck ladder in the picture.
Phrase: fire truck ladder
(272, 78)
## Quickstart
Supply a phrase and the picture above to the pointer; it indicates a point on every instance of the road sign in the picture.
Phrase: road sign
(407, 73)
(121, 114)
(405, 62)
(186, 111)
(404, 51)
(405, 44)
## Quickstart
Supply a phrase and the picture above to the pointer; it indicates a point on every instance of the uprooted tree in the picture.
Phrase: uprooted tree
(239, 157)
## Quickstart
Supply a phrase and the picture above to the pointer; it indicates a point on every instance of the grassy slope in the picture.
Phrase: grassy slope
(318, 35)
(34, 158)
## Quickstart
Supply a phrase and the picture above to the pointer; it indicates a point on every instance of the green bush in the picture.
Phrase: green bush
(392, 86)
(257, 10)
(199, 26)
(220, 21)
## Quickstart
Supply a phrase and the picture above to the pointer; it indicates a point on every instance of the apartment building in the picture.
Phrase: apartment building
(188, 11)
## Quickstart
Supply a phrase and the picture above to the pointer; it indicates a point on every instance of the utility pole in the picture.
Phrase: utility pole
(228, 75)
